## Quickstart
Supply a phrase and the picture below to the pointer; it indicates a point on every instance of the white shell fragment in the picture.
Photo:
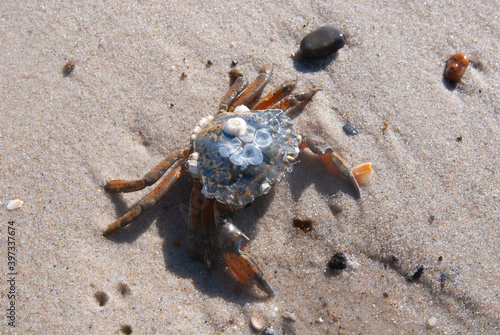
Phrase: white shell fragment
(432, 322)
(265, 187)
(200, 125)
(192, 164)
(241, 109)
(14, 204)
(235, 126)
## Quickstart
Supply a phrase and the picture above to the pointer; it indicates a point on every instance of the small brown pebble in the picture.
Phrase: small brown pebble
(289, 317)
(386, 295)
(101, 297)
(305, 225)
(456, 66)
(183, 75)
(68, 68)
(335, 319)
(126, 329)
(322, 42)
(124, 289)
(209, 63)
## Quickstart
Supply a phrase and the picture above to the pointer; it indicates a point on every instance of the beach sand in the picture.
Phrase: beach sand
(433, 201)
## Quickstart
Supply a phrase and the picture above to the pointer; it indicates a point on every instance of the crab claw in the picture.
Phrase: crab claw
(241, 264)
(358, 176)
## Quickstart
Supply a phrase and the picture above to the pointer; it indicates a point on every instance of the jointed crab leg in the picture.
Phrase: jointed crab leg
(240, 263)
(148, 201)
(255, 88)
(275, 95)
(240, 83)
(200, 226)
(294, 99)
(120, 185)
(359, 175)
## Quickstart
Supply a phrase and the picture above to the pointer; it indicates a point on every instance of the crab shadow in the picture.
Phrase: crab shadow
(170, 215)
(311, 171)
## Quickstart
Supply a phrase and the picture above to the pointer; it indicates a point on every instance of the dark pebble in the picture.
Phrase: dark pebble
(68, 68)
(305, 225)
(349, 130)
(338, 261)
(418, 273)
(456, 66)
(234, 62)
(322, 42)
(126, 329)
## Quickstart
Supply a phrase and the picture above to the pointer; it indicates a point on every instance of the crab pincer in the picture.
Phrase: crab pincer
(241, 264)
(358, 176)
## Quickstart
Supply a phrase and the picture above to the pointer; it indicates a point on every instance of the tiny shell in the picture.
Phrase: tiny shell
(432, 322)
(256, 324)
(14, 204)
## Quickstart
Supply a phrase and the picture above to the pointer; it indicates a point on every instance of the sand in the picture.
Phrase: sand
(433, 201)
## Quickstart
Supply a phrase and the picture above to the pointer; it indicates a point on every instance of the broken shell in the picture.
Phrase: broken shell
(256, 324)
(235, 126)
(456, 66)
(14, 204)
(192, 164)
(241, 109)
(265, 187)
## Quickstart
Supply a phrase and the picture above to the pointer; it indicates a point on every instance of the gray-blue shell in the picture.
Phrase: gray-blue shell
(237, 167)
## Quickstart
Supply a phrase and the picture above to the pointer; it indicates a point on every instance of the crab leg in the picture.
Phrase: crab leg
(294, 99)
(200, 226)
(255, 88)
(120, 185)
(240, 263)
(275, 95)
(240, 83)
(359, 175)
(147, 202)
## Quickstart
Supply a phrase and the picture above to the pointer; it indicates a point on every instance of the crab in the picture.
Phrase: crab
(235, 156)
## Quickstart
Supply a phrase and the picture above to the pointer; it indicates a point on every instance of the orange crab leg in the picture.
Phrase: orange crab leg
(275, 95)
(148, 201)
(294, 99)
(255, 88)
(240, 83)
(359, 175)
(240, 263)
(120, 185)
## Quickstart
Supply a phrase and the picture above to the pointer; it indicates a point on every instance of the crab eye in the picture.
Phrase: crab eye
(262, 138)
(235, 126)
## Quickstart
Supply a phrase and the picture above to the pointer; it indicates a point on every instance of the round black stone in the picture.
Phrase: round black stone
(338, 261)
(322, 42)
